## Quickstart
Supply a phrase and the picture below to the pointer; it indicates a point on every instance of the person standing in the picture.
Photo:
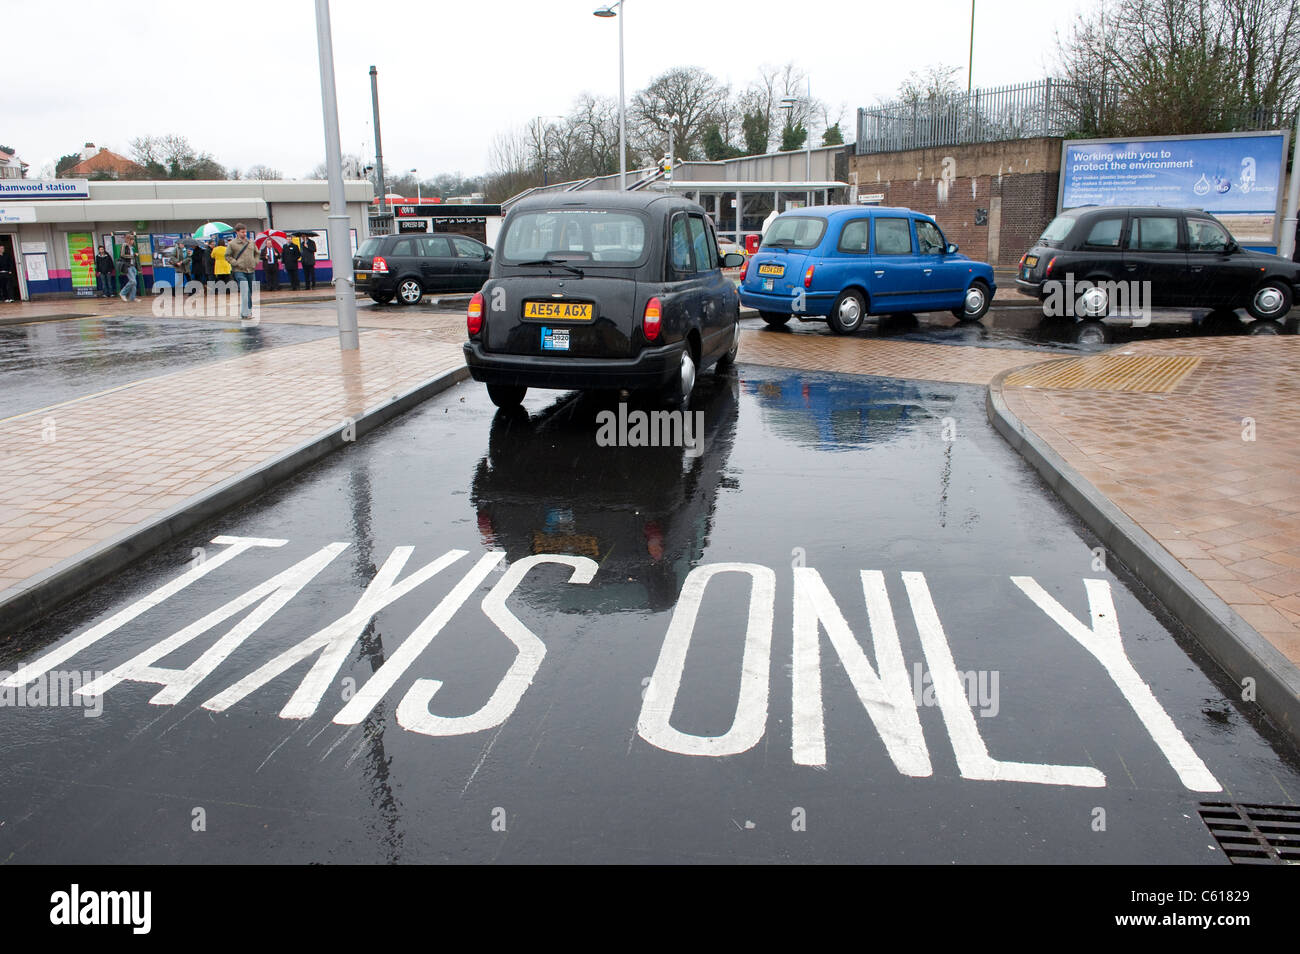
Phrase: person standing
(180, 263)
(291, 256)
(308, 262)
(104, 272)
(8, 274)
(220, 266)
(201, 263)
(241, 253)
(270, 265)
(127, 263)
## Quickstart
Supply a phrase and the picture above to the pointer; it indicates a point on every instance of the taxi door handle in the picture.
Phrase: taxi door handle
(879, 272)
(928, 270)
(1131, 268)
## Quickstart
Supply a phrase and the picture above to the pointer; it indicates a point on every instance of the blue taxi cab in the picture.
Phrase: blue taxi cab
(841, 263)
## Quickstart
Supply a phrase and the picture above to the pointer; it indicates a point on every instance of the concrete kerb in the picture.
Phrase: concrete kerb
(24, 604)
(1230, 640)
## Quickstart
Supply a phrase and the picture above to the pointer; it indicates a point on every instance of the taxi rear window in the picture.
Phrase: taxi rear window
(589, 236)
(795, 231)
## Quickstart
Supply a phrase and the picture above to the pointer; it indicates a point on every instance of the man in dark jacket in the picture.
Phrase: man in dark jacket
(308, 262)
(291, 256)
(8, 275)
(270, 266)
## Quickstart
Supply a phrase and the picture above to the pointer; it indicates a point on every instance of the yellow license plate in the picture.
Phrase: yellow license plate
(777, 270)
(1031, 260)
(559, 310)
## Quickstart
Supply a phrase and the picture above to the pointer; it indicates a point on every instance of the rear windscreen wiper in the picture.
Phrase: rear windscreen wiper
(553, 261)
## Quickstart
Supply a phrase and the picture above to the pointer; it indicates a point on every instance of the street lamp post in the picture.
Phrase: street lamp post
(340, 245)
(418, 197)
(608, 11)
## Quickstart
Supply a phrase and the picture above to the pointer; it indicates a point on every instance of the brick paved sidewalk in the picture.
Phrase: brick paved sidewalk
(79, 473)
(1198, 441)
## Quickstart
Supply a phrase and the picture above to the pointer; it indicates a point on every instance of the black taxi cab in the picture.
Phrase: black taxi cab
(603, 291)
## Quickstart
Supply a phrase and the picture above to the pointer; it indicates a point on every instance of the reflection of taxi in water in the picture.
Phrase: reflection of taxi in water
(643, 513)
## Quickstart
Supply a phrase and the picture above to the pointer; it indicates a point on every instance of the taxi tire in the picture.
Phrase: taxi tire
(675, 395)
(728, 359)
(842, 325)
(775, 319)
(1281, 294)
(961, 314)
(506, 396)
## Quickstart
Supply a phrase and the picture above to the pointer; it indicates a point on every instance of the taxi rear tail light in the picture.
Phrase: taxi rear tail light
(380, 267)
(1047, 272)
(652, 320)
(807, 277)
(744, 268)
(474, 314)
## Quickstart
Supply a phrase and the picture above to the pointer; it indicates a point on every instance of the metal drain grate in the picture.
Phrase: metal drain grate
(1254, 834)
(1149, 373)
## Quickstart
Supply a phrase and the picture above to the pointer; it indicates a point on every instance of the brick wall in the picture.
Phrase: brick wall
(987, 197)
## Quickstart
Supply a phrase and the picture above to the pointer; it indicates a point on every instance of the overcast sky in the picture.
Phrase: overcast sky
(241, 79)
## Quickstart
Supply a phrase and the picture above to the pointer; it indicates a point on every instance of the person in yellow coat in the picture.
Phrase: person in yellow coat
(220, 267)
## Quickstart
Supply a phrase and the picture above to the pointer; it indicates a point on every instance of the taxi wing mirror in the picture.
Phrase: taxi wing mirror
(951, 249)
(733, 260)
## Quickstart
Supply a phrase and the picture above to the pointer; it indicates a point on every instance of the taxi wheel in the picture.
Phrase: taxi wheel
(728, 359)
(506, 395)
(409, 291)
(976, 304)
(1270, 301)
(677, 393)
(847, 313)
(775, 319)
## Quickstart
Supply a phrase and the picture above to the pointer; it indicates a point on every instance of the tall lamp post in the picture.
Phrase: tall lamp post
(970, 63)
(418, 197)
(345, 300)
(609, 11)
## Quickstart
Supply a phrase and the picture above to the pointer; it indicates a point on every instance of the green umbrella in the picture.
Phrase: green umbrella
(212, 230)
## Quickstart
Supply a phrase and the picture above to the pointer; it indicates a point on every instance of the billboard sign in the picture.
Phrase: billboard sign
(1237, 177)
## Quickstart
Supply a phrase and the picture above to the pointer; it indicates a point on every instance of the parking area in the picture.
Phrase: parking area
(846, 624)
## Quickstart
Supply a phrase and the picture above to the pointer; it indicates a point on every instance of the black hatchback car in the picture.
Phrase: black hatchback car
(603, 291)
(408, 267)
(1189, 258)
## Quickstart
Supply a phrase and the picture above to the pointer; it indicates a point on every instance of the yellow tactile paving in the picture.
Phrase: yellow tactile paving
(1211, 470)
(1113, 371)
(78, 474)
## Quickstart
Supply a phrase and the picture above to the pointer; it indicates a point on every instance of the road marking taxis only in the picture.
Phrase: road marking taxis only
(882, 684)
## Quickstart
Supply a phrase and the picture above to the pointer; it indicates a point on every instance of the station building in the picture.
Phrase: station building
(54, 226)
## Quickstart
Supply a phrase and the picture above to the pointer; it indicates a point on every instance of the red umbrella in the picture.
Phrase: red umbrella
(275, 236)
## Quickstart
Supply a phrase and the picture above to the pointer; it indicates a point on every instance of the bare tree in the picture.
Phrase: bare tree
(1189, 66)
(676, 106)
(260, 171)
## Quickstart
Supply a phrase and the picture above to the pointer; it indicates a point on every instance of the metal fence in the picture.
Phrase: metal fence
(1043, 108)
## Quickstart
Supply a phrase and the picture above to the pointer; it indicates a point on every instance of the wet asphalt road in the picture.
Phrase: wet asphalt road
(44, 363)
(797, 471)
